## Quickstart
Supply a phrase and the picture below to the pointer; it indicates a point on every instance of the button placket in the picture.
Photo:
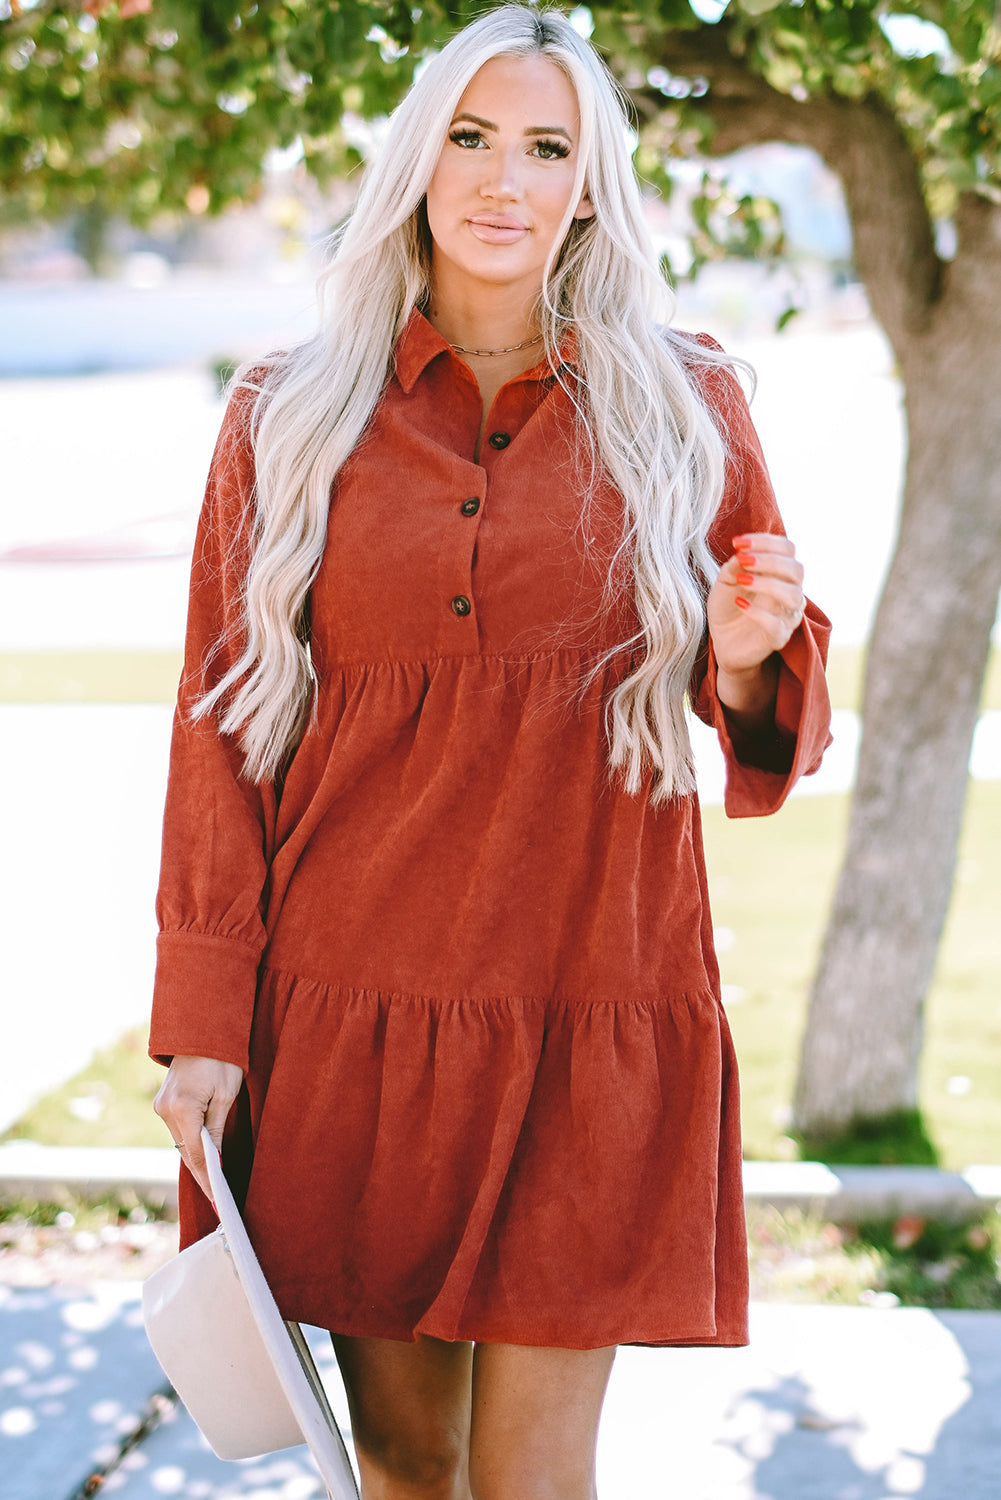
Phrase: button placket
(461, 605)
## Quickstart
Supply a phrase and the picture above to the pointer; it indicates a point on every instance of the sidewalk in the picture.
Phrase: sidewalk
(827, 1403)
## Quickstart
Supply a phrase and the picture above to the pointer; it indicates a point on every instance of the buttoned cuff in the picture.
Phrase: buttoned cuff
(203, 998)
(761, 770)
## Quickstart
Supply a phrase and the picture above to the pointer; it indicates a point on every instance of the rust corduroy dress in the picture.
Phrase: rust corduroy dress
(491, 1089)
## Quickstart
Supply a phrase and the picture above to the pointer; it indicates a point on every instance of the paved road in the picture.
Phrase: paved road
(826, 1404)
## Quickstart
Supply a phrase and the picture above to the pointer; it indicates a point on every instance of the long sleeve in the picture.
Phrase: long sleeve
(217, 824)
(761, 772)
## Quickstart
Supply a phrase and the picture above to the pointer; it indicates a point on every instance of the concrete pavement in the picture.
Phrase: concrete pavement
(827, 1403)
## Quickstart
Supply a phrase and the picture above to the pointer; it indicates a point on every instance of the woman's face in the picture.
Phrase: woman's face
(504, 179)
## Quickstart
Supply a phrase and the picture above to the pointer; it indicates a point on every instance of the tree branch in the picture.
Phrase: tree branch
(860, 140)
(975, 274)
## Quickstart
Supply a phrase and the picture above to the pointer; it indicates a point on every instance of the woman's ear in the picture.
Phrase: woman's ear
(585, 208)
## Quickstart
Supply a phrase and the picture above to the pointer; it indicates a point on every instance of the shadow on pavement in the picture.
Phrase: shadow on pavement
(828, 1403)
(76, 1381)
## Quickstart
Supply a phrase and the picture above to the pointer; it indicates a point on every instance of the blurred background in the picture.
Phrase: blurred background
(823, 181)
(121, 314)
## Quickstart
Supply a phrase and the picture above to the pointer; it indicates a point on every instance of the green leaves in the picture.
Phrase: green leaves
(139, 112)
(748, 225)
(935, 63)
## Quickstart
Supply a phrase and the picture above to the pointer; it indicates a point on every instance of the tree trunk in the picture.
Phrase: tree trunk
(90, 238)
(932, 633)
(926, 664)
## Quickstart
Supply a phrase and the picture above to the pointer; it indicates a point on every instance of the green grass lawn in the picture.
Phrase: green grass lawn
(771, 881)
(915, 1262)
(846, 669)
(109, 1103)
(89, 676)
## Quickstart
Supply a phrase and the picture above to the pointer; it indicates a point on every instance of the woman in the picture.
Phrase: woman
(433, 886)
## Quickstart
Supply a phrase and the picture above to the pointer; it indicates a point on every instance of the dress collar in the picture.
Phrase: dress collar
(420, 343)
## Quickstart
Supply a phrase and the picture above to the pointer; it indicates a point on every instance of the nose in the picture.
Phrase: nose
(501, 179)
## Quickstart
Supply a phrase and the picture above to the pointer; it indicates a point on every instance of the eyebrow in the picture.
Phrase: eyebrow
(531, 130)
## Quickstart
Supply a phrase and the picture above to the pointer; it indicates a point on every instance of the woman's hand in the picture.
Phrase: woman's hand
(753, 608)
(197, 1091)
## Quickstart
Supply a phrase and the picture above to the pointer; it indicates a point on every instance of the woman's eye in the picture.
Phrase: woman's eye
(465, 137)
(552, 150)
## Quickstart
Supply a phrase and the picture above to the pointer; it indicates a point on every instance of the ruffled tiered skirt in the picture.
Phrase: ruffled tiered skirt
(493, 1091)
(512, 1170)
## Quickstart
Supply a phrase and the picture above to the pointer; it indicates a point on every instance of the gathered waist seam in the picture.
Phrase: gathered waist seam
(504, 659)
(671, 997)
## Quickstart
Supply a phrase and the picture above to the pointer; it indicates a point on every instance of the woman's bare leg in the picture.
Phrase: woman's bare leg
(535, 1421)
(410, 1406)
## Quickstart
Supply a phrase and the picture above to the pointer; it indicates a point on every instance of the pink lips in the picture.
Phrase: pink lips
(497, 229)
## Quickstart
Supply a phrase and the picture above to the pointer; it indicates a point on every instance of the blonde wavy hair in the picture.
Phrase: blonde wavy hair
(644, 422)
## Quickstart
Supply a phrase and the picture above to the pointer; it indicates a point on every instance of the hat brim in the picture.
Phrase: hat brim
(284, 1341)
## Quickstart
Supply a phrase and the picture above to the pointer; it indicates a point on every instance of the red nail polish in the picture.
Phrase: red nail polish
(742, 603)
(745, 578)
(746, 560)
(740, 541)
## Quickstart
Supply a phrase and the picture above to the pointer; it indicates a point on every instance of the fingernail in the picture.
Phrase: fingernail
(742, 603)
(745, 578)
(746, 559)
(740, 541)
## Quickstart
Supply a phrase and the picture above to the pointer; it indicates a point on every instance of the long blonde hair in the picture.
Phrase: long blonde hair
(648, 428)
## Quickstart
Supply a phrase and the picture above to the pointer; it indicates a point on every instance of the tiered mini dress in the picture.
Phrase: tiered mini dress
(490, 1093)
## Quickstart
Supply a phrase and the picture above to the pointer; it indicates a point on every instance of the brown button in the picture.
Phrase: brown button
(461, 605)
(470, 507)
(499, 439)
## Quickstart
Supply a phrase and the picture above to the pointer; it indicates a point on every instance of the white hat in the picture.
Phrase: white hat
(244, 1373)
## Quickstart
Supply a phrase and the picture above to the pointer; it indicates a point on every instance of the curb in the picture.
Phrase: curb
(849, 1195)
(838, 1194)
(44, 1173)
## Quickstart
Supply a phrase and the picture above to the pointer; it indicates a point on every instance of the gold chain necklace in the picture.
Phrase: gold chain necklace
(512, 348)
